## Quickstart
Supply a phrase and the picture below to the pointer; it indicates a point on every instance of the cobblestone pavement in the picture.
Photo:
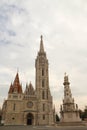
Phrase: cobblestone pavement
(43, 127)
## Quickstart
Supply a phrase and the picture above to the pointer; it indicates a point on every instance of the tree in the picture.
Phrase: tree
(83, 114)
(57, 118)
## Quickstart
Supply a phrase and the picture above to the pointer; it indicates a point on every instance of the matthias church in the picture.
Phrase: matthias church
(33, 106)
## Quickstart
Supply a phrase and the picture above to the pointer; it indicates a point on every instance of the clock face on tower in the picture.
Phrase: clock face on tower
(30, 104)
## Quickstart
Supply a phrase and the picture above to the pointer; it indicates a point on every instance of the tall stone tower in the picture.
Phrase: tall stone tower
(69, 110)
(45, 110)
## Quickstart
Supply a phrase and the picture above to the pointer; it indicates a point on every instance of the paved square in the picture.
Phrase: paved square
(43, 128)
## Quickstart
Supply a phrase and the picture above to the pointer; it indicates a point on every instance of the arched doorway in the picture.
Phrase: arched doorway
(30, 119)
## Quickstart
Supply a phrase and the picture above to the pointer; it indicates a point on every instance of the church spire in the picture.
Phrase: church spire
(16, 86)
(41, 44)
(16, 81)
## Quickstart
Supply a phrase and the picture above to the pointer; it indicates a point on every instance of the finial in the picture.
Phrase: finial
(65, 74)
(41, 44)
(41, 37)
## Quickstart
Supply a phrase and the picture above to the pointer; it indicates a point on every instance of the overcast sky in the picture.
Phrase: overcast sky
(63, 24)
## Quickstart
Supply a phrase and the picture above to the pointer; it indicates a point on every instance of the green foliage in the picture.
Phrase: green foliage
(83, 114)
(57, 118)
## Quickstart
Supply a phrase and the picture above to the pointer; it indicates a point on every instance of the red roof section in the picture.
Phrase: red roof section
(15, 87)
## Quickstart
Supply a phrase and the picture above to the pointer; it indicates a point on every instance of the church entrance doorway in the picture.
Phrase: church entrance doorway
(29, 119)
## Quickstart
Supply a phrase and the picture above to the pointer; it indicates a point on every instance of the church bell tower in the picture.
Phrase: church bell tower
(42, 87)
(42, 80)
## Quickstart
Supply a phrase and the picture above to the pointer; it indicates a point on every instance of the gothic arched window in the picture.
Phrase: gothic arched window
(43, 83)
(43, 107)
(14, 107)
(43, 95)
(43, 117)
(42, 72)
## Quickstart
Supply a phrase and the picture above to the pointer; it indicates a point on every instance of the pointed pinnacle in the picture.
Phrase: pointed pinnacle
(41, 44)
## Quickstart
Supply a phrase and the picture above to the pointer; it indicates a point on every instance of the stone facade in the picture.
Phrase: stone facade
(69, 110)
(33, 106)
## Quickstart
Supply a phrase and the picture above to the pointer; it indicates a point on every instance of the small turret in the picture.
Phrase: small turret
(29, 90)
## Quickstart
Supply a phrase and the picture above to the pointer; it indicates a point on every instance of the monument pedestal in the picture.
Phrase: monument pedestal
(70, 117)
